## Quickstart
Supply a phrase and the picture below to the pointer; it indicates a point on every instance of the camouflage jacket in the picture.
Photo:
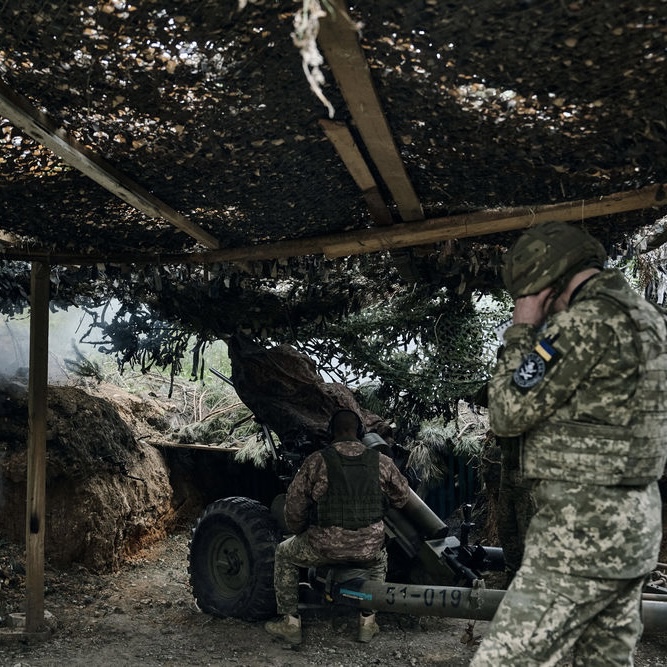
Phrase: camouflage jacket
(571, 390)
(333, 542)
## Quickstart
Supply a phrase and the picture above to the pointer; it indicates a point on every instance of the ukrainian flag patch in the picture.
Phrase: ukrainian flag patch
(546, 350)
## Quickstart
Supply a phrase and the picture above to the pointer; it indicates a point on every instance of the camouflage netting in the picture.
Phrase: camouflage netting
(491, 104)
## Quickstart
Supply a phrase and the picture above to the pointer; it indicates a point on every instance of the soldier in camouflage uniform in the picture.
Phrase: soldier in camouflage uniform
(335, 507)
(584, 378)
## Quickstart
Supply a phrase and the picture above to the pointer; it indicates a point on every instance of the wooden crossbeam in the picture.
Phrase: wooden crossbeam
(41, 128)
(487, 222)
(377, 239)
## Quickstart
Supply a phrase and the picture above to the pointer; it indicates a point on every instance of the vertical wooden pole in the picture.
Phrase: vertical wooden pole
(37, 404)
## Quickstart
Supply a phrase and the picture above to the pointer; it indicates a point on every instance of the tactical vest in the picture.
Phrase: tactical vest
(354, 498)
(614, 455)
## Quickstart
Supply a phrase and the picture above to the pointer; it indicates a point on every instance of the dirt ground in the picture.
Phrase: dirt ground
(145, 615)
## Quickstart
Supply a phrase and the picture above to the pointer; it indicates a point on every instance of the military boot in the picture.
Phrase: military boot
(368, 628)
(287, 628)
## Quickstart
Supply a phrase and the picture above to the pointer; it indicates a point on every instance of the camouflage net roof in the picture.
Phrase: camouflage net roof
(205, 106)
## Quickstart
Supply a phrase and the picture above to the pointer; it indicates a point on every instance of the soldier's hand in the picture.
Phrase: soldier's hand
(534, 308)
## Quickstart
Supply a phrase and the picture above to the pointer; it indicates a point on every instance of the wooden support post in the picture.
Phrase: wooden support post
(37, 405)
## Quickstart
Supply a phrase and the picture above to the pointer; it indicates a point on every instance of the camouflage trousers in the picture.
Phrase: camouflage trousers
(545, 615)
(295, 553)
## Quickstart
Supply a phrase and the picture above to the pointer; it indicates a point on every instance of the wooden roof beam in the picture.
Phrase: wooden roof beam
(41, 128)
(340, 136)
(339, 41)
(377, 239)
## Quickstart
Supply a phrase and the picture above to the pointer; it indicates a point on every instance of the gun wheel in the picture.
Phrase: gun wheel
(231, 557)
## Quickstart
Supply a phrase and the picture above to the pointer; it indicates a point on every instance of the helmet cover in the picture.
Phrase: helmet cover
(549, 254)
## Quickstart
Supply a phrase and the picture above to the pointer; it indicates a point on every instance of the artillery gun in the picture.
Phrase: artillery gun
(431, 571)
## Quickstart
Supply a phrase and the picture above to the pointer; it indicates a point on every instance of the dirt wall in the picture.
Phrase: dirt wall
(107, 494)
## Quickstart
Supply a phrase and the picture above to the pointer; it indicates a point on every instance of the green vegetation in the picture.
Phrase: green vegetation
(415, 356)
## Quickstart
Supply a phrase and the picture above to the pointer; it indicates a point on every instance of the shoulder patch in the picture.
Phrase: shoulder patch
(535, 365)
(532, 370)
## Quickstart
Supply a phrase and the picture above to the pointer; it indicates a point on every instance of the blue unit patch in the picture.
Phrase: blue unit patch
(535, 365)
(532, 370)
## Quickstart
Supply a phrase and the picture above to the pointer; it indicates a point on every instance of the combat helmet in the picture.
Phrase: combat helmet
(549, 254)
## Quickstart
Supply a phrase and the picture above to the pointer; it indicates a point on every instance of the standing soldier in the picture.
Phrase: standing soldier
(584, 378)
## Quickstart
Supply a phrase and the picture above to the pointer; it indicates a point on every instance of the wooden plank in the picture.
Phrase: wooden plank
(376, 239)
(339, 42)
(377, 208)
(41, 128)
(435, 230)
(36, 483)
(340, 136)
(492, 222)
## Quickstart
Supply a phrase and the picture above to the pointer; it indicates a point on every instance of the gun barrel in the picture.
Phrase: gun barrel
(456, 602)
(654, 615)
(451, 601)
(422, 517)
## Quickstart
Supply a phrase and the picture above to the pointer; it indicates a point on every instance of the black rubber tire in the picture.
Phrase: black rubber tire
(231, 558)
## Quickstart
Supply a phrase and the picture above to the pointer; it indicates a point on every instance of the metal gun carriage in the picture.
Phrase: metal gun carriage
(431, 571)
